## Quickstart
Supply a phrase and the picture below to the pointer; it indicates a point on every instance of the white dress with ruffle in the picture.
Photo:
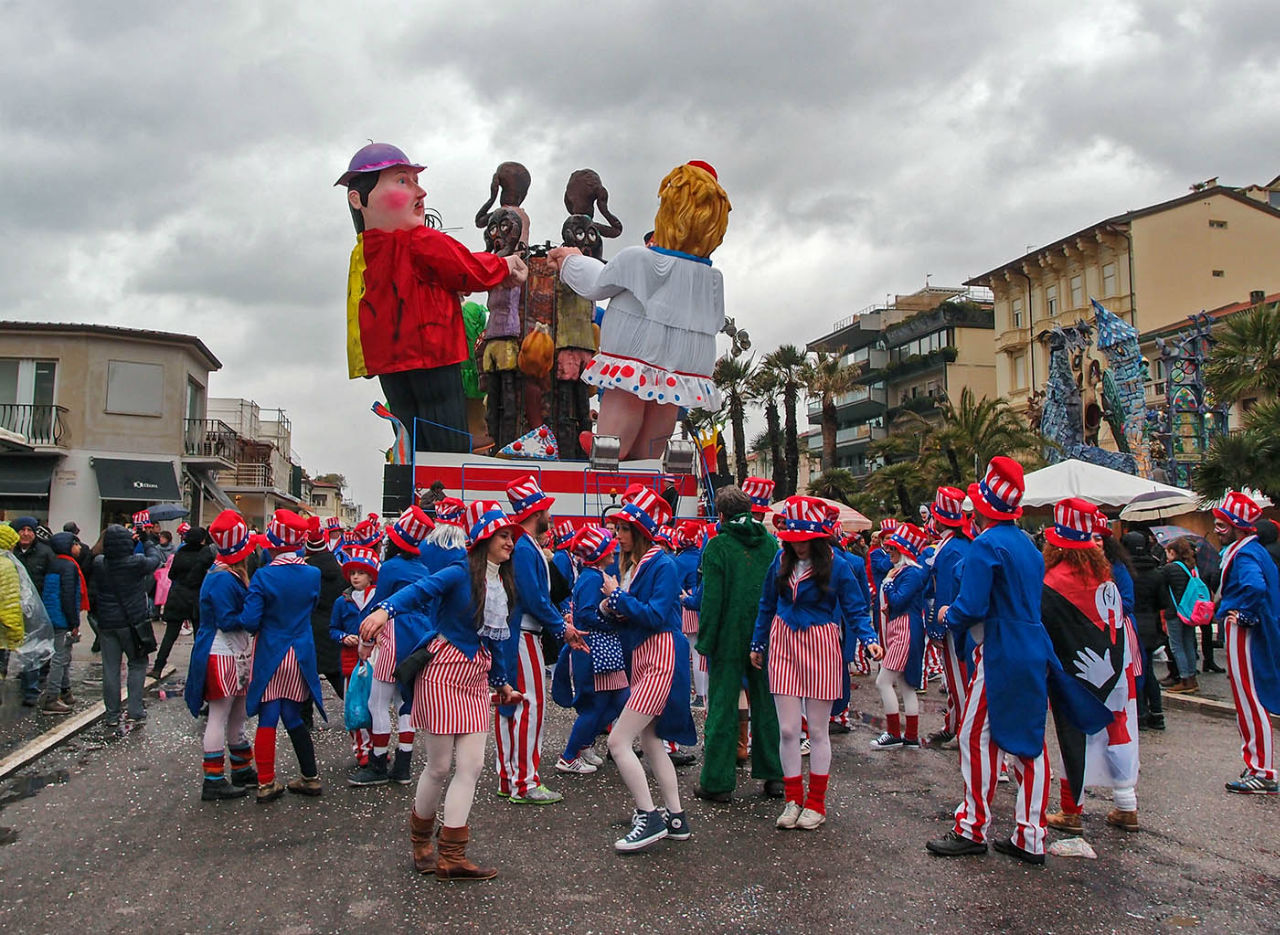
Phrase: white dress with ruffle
(658, 337)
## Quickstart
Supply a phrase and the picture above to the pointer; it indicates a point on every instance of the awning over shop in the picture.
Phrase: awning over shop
(25, 477)
(126, 479)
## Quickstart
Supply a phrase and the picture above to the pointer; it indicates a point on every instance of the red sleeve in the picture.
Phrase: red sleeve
(439, 257)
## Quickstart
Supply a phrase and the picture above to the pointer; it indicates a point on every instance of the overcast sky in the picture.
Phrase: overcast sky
(170, 165)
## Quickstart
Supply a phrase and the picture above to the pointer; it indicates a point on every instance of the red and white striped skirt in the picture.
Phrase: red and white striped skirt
(221, 679)
(384, 654)
(688, 621)
(610, 681)
(653, 664)
(451, 695)
(287, 681)
(897, 643)
(805, 663)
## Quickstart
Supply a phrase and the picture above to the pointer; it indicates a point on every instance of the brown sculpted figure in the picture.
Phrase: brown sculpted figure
(506, 234)
(581, 232)
(509, 187)
(584, 193)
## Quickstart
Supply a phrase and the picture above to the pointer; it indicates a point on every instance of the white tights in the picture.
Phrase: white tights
(629, 726)
(889, 681)
(226, 722)
(442, 749)
(791, 711)
(381, 696)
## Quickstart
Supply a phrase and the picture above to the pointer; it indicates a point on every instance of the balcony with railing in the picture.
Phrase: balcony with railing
(40, 425)
(250, 474)
(209, 443)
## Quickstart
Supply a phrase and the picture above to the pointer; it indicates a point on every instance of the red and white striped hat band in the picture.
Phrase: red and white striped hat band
(759, 491)
(231, 538)
(593, 544)
(451, 511)
(410, 528)
(361, 558)
(1239, 510)
(907, 538)
(948, 506)
(1074, 523)
(562, 533)
(527, 498)
(142, 518)
(803, 518)
(644, 508)
(485, 518)
(1000, 491)
(287, 530)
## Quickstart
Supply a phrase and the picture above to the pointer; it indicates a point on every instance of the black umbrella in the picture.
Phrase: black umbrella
(162, 512)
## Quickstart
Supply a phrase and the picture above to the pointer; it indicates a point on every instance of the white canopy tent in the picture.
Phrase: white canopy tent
(1091, 482)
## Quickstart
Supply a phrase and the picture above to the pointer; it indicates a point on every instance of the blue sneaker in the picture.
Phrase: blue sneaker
(646, 828)
(1252, 785)
(677, 825)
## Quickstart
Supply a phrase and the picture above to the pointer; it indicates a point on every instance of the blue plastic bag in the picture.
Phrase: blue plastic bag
(355, 711)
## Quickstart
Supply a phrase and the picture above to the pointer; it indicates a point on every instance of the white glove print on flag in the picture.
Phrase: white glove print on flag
(1093, 668)
(1109, 603)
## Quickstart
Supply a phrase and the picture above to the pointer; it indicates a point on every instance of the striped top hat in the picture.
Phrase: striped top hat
(142, 518)
(666, 535)
(831, 521)
(562, 533)
(484, 518)
(593, 544)
(527, 498)
(231, 538)
(361, 558)
(1102, 526)
(688, 534)
(948, 507)
(644, 508)
(1239, 510)
(907, 538)
(1074, 523)
(803, 518)
(184, 527)
(287, 530)
(998, 495)
(451, 511)
(759, 491)
(367, 532)
(410, 528)
(887, 526)
(332, 525)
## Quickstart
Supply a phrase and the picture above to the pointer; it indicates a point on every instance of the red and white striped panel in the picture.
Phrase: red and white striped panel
(287, 681)
(451, 695)
(805, 663)
(653, 664)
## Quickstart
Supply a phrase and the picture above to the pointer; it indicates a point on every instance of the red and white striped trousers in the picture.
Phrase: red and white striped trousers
(1251, 717)
(980, 770)
(653, 665)
(519, 738)
(954, 675)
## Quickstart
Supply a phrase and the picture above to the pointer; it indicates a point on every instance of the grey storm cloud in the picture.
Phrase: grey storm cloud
(171, 165)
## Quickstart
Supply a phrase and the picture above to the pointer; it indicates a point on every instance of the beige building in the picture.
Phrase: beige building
(263, 474)
(1152, 267)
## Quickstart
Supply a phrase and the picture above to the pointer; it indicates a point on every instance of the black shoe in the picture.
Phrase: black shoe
(677, 825)
(1154, 722)
(1213, 667)
(722, 797)
(774, 788)
(247, 777)
(680, 758)
(839, 727)
(400, 768)
(954, 845)
(216, 789)
(374, 773)
(1009, 849)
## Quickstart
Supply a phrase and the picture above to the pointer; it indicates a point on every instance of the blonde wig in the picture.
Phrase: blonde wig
(693, 212)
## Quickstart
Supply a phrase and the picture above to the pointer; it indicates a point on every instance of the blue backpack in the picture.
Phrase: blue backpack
(1195, 607)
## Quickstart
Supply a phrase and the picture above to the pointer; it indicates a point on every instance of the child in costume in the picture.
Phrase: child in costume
(688, 556)
(447, 542)
(221, 658)
(278, 609)
(809, 604)
(902, 633)
(360, 567)
(471, 613)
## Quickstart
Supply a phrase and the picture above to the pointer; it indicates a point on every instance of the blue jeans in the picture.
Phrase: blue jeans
(58, 681)
(1182, 641)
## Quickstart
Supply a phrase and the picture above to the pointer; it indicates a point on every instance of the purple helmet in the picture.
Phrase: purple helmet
(374, 158)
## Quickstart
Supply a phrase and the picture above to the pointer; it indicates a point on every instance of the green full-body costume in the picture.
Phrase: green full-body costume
(734, 565)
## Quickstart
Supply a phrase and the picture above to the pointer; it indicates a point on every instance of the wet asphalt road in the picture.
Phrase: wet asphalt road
(108, 834)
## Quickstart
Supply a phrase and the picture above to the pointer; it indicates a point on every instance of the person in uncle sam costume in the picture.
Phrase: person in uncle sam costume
(595, 682)
(518, 726)
(221, 659)
(447, 542)
(878, 565)
(810, 607)
(404, 317)
(278, 608)
(563, 559)
(1014, 671)
(1249, 604)
(456, 662)
(902, 595)
(947, 512)
(360, 567)
(1083, 611)
(854, 654)
(687, 554)
(645, 607)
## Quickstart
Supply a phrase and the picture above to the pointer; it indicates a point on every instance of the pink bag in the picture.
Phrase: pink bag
(162, 582)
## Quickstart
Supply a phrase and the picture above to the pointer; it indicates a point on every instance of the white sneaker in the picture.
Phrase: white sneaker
(790, 814)
(1004, 773)
(804, 747)
(809, 819)
(591, 757)
(578, 765)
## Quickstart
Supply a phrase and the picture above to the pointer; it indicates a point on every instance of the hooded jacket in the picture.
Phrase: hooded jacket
(734, 566)
(186, 574)
(1148, 591)
(118, 592)
(62, 584)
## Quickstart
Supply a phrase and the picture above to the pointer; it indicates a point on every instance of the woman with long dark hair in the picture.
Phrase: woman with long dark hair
(470, 605)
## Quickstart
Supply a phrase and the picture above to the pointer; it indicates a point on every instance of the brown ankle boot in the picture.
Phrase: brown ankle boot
(1125, 821)
(421, 833)
(452, 863)
(744, 737)
(1070, 822)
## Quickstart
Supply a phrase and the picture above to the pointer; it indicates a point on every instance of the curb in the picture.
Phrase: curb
(34, 749)
(1209, 707)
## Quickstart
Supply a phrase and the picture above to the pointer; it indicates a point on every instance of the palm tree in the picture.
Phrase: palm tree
(788, 362)
(765, 388)
(1248, 458)
(733, 376)
(1245, 360)
(836, 484)
(828, 378)
(976, 430)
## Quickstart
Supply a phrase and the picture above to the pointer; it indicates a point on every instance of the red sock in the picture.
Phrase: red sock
(913, 727)
(406, 740)
(381, 742)
(893, 724)
(1069, 806)
(794, 788)
(817, 800)
(264, 754)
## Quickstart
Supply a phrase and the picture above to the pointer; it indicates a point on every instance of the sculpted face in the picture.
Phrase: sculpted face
(504, 232)
(580, 231)
(395, 202)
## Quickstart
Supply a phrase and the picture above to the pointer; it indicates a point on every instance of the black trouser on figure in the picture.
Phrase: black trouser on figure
(435, 396)
(171, 630)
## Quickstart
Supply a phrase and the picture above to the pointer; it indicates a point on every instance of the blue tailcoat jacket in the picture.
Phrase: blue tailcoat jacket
(278, 608)
(1251, 587)
(221, 600)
